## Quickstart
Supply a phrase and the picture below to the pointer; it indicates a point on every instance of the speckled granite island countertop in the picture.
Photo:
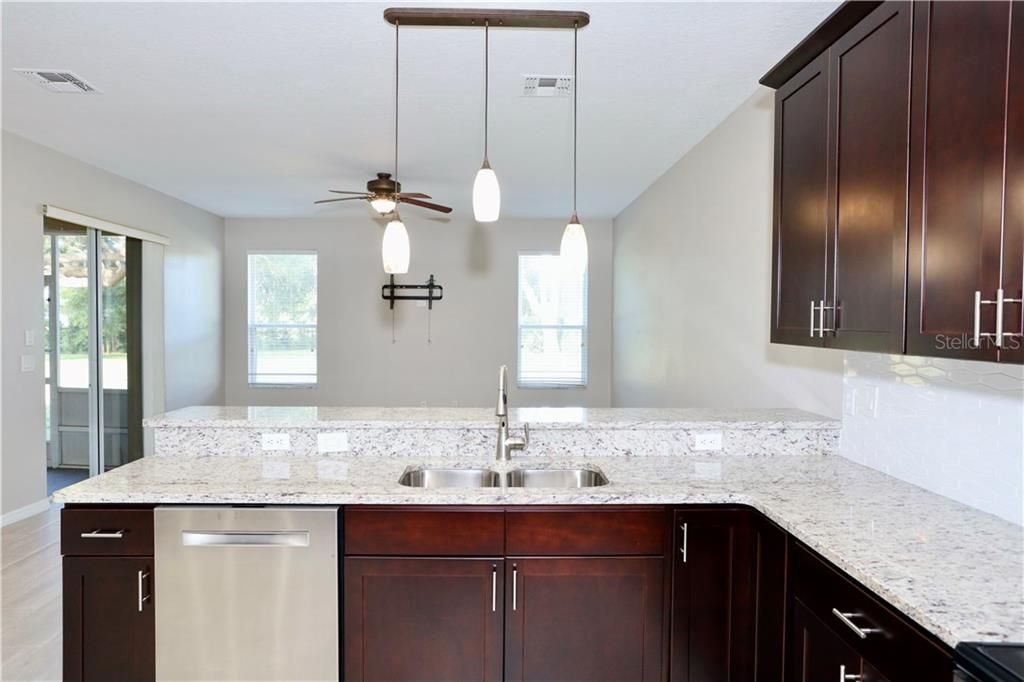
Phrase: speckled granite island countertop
(956, 571)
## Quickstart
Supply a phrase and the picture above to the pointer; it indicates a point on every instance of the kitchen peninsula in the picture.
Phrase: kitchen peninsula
(744, 533)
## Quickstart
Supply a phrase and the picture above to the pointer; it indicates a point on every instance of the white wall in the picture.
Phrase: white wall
(34, 175)
(951, 426)
(473, 329)
(692, 284)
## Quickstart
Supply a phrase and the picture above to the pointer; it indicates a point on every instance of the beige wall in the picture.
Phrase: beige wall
(473, 329)
(692, 284)
(34, 175)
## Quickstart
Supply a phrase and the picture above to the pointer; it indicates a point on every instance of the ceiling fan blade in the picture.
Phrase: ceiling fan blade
(414, 195)
(327, 201)
(425, 204)
(341, 191)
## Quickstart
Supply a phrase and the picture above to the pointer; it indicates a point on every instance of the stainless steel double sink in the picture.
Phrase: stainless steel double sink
(488, 478)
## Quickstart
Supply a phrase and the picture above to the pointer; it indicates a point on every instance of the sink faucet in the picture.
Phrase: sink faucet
(506, 443)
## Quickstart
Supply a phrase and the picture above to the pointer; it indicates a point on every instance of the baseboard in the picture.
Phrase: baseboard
(25, 512)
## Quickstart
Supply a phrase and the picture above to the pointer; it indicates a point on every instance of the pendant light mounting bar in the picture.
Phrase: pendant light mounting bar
(498, 18)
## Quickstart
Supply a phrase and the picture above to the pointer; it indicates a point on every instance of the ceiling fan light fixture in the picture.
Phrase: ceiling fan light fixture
(383, 204)
(394, 248)
(486, 195)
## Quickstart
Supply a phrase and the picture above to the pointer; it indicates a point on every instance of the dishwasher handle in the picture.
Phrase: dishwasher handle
(226, 538)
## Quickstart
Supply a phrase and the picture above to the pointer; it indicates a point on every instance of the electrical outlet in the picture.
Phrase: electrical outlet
(332, 441)
(712, 440)
(28, 363)
(30, 337)
(276, 441)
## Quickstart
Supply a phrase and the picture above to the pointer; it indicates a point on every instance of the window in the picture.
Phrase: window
(552, 323)
(282, 319)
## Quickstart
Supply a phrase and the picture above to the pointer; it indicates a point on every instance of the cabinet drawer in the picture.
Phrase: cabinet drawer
(586, 532)
(408, 531)
(106, 532)
(891, 642)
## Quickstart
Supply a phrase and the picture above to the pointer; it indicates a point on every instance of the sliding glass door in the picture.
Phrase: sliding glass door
(93, 342)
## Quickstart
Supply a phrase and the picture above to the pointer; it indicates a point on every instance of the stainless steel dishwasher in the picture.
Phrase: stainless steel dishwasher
(246, 593)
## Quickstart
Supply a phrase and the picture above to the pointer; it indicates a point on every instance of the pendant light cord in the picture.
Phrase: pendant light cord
(487, 81)
(396, 101)
(575, 104)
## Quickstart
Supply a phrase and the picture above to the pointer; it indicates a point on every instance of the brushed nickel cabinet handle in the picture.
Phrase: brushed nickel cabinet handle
(515, 575)
(844, 677)
(100, 534)
(142, 597)
(812, 319)
(684, 549)
(494, 588)
(844, 618)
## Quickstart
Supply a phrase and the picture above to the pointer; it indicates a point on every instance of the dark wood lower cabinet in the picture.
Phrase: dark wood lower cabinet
(423, 619)
(818, 653)
(109, 628)
(584, 618)
(713, 591)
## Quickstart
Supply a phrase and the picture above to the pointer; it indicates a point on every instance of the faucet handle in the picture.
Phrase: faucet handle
(518, 443)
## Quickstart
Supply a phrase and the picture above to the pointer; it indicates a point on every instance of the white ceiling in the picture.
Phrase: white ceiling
(255, 109)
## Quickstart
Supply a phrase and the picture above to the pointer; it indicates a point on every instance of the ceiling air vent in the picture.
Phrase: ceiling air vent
(56, 80)
(547, 86)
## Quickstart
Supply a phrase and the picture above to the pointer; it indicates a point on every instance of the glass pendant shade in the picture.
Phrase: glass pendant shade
(383, 205)
(573, 251)
(486, 195)
(394, 249)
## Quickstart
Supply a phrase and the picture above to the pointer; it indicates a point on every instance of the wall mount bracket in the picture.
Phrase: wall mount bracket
(435, 292)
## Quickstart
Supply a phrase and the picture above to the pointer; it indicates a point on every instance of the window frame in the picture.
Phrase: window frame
(249, 351)
(584, 328)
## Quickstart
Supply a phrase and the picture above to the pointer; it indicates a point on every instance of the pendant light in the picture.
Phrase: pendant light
(486, 192)
(573, 251)
(394, 248)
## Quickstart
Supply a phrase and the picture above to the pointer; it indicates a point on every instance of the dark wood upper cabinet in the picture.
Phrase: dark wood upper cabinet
(1013, 222)
(869, 74)
(910, 211)
(584, 618)
(958, 136)
(840, 234)
(109, 628)
(799, 240)
(423, 619)
(713, 592)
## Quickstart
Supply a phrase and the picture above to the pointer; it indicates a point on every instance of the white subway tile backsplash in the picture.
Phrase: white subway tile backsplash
(954, 427)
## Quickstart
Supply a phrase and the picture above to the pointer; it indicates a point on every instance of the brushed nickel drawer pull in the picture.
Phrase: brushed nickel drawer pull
(100, 534)
(515, 575)
(494, 588)
(859, 631)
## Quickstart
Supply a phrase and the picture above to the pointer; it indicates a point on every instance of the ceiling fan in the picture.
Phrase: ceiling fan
(384, 194)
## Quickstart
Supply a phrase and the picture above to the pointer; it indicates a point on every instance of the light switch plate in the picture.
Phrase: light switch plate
(28, 363)
(332, 441)
(276, 441)
(30, 337)
(710, 440)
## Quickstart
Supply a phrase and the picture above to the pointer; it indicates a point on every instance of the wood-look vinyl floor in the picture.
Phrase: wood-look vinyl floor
(30, 598)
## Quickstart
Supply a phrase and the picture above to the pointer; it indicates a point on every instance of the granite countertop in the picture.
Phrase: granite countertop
(955, 570)
(220, 416)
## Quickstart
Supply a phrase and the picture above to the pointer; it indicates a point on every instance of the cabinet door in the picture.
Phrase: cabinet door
(815, 652)
(423, 619)
(869, 71)
(799, 237)
(1013, 232)
(713, 597)
(771, 553)
(584, 619)
(956, 180)
(108, 619)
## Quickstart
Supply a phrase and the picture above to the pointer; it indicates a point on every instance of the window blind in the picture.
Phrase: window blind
(282, 318)
(552, 323)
